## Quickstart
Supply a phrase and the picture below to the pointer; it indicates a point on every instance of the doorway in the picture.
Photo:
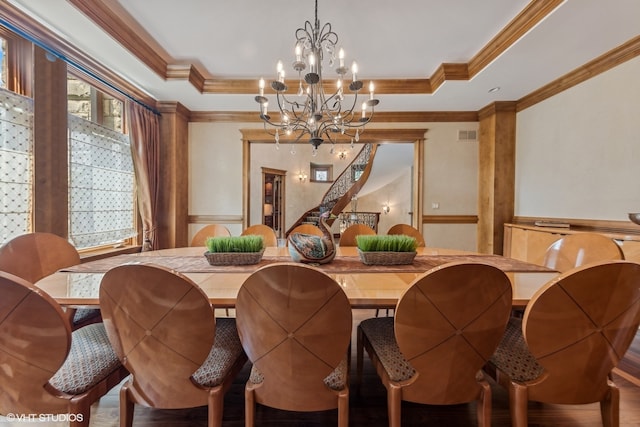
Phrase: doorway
(273, 203)
(257, 137)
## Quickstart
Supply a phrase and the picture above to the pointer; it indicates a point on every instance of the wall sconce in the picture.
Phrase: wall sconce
(302, 176)
(268, 209)
(386, 208)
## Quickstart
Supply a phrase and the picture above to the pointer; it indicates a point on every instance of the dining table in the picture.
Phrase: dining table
(366, 286)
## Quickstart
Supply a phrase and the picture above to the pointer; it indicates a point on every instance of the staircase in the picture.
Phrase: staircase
(347, 185)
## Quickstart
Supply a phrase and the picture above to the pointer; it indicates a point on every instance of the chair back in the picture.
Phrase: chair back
(295, 324)
(35, 338)
(574, 250)
(307, 229)
(267, 233)
(408, 230)
(579, 326)
(348, 236)
(447, 325)
(162, 328)
(33, 256)
(211, 230)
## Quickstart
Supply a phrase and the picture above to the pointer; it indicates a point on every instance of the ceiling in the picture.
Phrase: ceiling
(401, 45)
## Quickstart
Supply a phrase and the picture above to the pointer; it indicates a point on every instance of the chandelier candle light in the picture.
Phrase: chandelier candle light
(322, 116)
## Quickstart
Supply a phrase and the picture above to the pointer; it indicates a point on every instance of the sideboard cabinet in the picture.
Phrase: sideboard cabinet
(529, 242)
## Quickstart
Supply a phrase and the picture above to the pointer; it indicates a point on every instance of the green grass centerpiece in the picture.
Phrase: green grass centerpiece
(234, 250)
(386, 249)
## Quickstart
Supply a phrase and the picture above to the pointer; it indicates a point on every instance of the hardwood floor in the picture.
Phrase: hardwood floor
(369, 407)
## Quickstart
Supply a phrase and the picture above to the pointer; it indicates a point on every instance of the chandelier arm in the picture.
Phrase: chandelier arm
(266, 129)
(296, 118)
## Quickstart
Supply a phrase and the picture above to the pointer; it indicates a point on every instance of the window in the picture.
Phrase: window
(86, 102)
(101, 176)
(101, 187)
(357, 171)
(321, 173)
(16, 169)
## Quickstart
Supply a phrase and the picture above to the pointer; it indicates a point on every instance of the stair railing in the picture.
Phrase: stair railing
(347, 185)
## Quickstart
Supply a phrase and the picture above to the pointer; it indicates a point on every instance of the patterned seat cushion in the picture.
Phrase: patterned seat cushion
(379, 332)
(513, 356)
(224, 353)
(90, 360)
(336, 380)
(84, 314)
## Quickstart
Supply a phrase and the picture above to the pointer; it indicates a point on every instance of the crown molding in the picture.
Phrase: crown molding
(171, 107)
(118, 24)
(114, 20)
(33, 29)
(605, 62)
(528, 18)
(382, 117)
(497, 107)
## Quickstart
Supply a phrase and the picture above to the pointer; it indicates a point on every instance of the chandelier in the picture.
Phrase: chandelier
(320, 115)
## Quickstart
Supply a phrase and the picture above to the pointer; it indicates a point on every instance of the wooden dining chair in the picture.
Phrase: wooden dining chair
(574, 332)
(447, 325)
(268, 234)
(574, 250)
(45, 368)
(348, 236)
(211, 230)
(295, 326)
(163, 329)
(408, 230)
(307, 229)
(33, 256)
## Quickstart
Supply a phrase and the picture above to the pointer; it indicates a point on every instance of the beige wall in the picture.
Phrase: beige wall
(576, 157)
(215, 180)
(397, 194)
(215, 173)
(451, 184)
(577, 153)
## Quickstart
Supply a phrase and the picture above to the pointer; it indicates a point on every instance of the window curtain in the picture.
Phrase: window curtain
(20, 66)
(144, 131)
(101, 184)
(16, 165)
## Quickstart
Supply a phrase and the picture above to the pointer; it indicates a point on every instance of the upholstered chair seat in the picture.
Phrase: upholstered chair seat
(90, 360)
(513, 356)
(226, 350)
(45, 368)
(383, 340)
